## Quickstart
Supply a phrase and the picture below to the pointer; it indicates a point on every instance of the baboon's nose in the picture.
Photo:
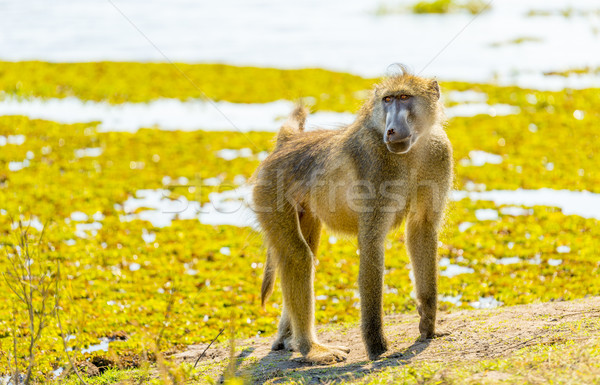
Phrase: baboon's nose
(391, 132)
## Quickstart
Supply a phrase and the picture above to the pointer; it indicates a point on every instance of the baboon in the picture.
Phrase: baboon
(393, 162)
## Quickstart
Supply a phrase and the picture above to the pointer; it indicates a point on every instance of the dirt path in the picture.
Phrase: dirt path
(471, 335)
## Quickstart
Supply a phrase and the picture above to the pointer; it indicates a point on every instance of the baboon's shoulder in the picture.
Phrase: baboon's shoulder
(436, 163)
(439, 148)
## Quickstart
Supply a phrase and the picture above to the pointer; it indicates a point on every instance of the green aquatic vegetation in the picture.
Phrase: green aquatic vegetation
(550, 143)
(435, 7)
(566, 12)
(119, 82)
(451, 6)
(517, 41)
(115, 283)
(574, 71)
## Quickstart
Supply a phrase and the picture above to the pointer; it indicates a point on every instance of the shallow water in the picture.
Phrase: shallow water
(33, 223)
(16, 140)
(102, 346)
(168, 114)
(18, 166)
(453, 299)
(231, 154)
(90, 152)
(563, 249)
(554, 262)
(508, 260)
(451, 270)
(225, 208)
(582, 203)
(480, 158)
(486, 214)
(486, 303)
(336, 34)
(172, 114)
(85, 230)
(464, 226)
(515, 211)
(79, 216)
(232, 207)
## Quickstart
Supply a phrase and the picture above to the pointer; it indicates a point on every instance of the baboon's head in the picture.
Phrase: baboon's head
(405, 107)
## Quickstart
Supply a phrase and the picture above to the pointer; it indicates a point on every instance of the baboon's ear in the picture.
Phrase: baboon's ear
(435, 87)
(377, 89)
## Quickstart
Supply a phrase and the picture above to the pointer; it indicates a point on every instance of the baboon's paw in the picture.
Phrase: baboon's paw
(342, 348)
(282, 343)
(289, 344)
(427, 336)
(326, 355)
(440, 334)
(427, 328)
(278, 344)
(374, 350)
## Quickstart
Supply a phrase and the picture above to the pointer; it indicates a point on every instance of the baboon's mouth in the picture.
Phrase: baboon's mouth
(400, 147)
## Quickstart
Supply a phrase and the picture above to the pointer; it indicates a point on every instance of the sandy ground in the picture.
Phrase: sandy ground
(469, 335)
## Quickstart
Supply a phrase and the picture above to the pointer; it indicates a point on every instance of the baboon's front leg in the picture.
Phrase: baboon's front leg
(422, 240)
(370, 284)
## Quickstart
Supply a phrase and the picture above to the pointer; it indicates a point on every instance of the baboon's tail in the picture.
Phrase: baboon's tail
(294, 123)
(268, 282)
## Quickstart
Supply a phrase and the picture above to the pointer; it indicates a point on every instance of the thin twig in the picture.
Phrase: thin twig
(62, 334)
(29, 289)
(209, 345)
(15, 355)
(166, 316)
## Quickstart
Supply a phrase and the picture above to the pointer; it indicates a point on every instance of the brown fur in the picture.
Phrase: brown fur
(348, 180)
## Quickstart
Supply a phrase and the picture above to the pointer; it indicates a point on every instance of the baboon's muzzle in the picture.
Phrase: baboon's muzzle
(398, 135)
(401, 146)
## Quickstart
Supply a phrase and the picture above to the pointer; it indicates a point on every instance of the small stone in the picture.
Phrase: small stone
(103, 363)
(118, 336)
(87, 368)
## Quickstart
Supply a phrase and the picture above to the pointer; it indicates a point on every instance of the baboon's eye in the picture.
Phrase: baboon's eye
(404, 97)
(387, 99)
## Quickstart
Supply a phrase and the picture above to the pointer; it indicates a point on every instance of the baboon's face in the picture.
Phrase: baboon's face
(409, 112)
(399, 134)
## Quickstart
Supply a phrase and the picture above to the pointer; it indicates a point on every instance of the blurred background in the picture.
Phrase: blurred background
(129, 130)
(509, 41)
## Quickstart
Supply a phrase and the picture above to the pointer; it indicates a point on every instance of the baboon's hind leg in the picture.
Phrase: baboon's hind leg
(297, 275)
(310, 227)
(284, 332)
(311, 231)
